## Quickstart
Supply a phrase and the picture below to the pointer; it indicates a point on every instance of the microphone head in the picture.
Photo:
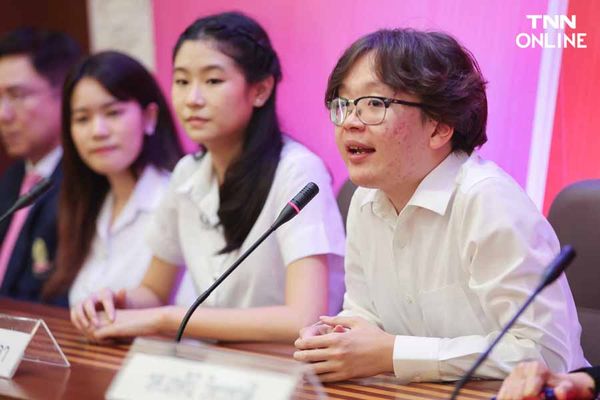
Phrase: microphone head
(305, 195)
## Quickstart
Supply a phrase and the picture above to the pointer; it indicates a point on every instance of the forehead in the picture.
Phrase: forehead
(17, 70)
(88, 92)
(361, 78)
(201, 55)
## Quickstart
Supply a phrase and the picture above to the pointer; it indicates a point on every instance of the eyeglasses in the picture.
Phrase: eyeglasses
(17, 96)
(370, 110)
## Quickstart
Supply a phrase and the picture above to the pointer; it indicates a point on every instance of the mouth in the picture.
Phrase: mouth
(359, 149)
(103, 149)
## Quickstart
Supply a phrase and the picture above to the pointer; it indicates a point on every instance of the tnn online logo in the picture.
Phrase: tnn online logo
(552, 33)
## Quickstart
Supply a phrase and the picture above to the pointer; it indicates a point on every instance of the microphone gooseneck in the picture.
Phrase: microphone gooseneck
(551, 273)
(28, 198)
(289, 211)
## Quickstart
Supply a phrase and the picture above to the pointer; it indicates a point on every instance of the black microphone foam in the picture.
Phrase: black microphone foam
(557, 266)
(293, 207)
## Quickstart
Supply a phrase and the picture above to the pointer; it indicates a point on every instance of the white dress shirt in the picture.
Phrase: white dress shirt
(186, 231)
(451, 269)
(119, 255)
(45, 166)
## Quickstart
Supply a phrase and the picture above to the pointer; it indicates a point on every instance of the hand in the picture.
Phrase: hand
(130, 323)
(318, 329)
(527, 380)
(85, 315)
(361, 350)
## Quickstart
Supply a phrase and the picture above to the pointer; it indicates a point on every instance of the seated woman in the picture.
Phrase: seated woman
(120, 145)
(221, 200)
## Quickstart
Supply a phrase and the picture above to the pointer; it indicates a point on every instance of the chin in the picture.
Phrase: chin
(362, 179)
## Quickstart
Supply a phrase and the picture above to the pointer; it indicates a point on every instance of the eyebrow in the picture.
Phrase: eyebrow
(104, 105)
(369, 85)
(206, 68)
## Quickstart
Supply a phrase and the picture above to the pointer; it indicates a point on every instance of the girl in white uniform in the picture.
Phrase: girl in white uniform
(223, 198)
(120, 146)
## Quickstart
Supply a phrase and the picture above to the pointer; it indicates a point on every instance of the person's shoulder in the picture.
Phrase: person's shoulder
(295, 154)
(187, 166)
(480, 175)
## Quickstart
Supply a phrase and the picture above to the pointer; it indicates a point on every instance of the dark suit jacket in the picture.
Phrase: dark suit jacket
(21, 280)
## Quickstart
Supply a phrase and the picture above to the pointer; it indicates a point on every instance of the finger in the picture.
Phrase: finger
(325, 367)
(312, 330)
(317, 342)
(108, 305)
(81, 317)
(339, 329)
(121, 299)
(89, 308)
(564, 390)
(333, 377)
(535, 378)
(349, 322)
(75, 319)
(312, 355)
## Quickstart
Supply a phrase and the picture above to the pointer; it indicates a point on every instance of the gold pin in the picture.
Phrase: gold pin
(39, 254)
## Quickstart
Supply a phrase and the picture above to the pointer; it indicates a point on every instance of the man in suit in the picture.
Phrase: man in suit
(33, 66)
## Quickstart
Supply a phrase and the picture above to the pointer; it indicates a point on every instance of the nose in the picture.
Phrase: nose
(194, 97)
(99, 128)
(352, 121)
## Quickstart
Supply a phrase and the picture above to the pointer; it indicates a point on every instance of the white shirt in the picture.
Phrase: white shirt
(451, 269)
(119, 255)
(46, 165)
(186, 231)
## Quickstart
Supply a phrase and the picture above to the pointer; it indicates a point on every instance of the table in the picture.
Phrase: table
(94, 366)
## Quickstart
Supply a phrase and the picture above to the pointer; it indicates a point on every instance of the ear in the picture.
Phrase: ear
(441, 136)
(261, 91)
(150, 118)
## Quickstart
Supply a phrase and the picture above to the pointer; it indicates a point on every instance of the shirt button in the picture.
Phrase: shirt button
(409, 299)
(417, 379)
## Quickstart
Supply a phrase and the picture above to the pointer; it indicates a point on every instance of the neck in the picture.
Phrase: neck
(400, 192)
(36, 156)
(222, 156)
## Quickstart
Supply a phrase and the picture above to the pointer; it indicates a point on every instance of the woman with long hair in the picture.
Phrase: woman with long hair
(221, 200)
(120, 144)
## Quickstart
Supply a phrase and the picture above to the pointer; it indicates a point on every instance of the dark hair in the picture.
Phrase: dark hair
(52, 54)
(248, 179)
(83, 191)
(433, 66)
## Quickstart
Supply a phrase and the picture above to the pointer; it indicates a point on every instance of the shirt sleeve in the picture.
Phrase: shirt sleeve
(505, 246)
(162, 234)
(318, 228)
(357, 298)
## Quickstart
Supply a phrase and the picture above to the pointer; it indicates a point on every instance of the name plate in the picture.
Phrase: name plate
(12, 348)
(150, 376)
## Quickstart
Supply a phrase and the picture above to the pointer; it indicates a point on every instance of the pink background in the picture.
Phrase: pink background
(310, 35)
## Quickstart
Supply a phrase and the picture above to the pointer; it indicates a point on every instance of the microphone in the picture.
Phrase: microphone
(28, 198)
(291, 209)
(552, 272)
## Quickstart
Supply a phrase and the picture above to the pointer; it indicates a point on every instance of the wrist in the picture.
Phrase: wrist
(165, 320)
(386, 353)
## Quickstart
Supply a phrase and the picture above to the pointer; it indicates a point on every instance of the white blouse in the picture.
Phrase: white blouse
(186, 231)
(119, 255)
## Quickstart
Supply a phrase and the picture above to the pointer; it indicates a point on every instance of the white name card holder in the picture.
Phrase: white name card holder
(27, 339)
(160, 369)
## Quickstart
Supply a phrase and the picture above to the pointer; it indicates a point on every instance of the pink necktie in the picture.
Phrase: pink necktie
(16, 224)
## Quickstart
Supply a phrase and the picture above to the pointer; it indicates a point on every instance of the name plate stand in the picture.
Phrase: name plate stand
(160, 369)
(27, 339)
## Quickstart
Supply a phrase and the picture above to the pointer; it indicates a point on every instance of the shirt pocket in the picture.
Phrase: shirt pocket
(448, 313)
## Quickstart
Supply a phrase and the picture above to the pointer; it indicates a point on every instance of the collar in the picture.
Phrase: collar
(202, 187)
(145, 198)
(433, 193)
(46, 166)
